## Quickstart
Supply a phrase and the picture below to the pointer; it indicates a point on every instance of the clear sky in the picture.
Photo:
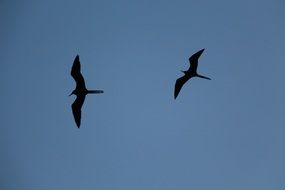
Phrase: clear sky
(223, 134)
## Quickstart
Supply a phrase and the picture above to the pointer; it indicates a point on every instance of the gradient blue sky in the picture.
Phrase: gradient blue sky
(227, 133)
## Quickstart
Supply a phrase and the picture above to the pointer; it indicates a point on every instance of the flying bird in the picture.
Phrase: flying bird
(191, 72)
(80, 91)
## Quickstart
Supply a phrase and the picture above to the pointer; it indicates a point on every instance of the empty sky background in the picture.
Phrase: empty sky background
(227, 133)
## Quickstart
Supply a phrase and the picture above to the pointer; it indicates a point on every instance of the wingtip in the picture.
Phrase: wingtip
(77, 57)
(175, 96)
(77, 125)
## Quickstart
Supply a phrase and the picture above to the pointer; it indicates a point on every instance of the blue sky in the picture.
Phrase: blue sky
(227, 133)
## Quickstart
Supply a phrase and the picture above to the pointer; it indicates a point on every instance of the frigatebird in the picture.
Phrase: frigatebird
(80, 91)
(191, 72)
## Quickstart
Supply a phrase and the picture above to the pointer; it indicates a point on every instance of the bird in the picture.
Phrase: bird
(80, 91)
(191, 72)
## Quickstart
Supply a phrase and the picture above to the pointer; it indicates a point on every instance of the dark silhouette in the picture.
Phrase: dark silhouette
(192, 72)
(80, 91)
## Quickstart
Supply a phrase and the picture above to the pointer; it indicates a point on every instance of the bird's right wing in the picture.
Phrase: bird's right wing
(179, 83)
(76, 74)
(76, 109)
(193, 60)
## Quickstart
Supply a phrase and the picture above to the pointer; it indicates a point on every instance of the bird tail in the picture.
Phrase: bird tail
(95, 91)
(203, 77)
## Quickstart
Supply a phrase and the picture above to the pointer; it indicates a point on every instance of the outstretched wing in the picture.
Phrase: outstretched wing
(76, 74)
(76, 109)
(179, 83)
(194, 60)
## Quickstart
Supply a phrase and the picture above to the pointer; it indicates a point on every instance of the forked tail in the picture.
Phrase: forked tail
(95, 91)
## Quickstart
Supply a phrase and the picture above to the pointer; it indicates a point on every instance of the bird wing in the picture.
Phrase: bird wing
(179, 83)
(193, 60)
(76, 109)
(76, 74)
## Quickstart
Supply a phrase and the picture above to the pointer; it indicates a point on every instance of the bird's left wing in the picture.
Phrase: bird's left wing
(76, 109)
(179, 84)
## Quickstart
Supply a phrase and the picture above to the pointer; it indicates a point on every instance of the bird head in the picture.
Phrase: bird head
(73, 92)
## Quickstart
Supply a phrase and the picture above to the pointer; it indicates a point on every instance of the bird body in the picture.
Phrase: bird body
(80, 91)
(191, 72)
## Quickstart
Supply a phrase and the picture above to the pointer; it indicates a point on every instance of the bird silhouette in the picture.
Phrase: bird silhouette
(80, 91)
(191, 72)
